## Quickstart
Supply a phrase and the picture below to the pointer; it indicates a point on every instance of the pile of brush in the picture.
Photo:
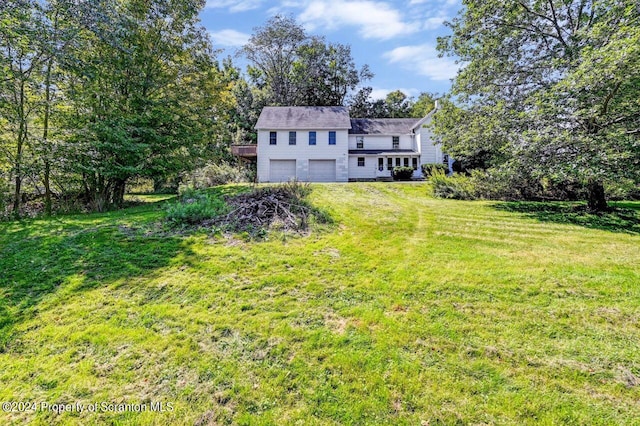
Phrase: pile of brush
(280, 207)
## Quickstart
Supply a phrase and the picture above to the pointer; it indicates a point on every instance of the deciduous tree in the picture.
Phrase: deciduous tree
(145, 97)
(553, 87)
(293, 68)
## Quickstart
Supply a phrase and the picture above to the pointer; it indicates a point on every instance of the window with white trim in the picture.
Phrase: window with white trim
(396, 142)
(332, 138)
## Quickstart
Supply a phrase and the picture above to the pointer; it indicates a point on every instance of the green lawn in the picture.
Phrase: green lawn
(407, 310)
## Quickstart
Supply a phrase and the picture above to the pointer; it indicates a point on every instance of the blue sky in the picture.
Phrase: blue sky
(396, 38)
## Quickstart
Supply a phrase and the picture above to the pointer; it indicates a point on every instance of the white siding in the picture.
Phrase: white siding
(382, 142)
(430, 152)
(366, 172)
(303, 152)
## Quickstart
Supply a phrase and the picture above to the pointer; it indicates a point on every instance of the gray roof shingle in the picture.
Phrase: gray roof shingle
(382, 126)
(320, 117)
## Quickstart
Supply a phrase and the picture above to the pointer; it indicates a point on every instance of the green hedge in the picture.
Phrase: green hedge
(402, 173)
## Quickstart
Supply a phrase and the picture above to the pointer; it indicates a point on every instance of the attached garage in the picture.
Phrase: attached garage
(322, 170)
(282, 170)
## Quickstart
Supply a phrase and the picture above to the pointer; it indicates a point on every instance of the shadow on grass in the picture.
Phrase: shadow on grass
(624, 217)
(38, 258)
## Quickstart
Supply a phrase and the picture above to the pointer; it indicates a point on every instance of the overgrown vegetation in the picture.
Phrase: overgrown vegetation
(194, 207)
(412, 310)
(283, 208)
(549, 91)
(429, 169)
(221, 173)
(494, 184)
(458, 186)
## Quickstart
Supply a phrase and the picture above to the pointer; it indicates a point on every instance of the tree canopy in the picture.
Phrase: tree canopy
(395, 105)
(550, 87)
(95, 94)
(292, 68)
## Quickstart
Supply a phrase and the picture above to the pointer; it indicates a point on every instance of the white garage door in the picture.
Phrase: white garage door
(322, 170)
(282, 170)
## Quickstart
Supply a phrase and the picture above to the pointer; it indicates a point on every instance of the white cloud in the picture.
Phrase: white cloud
(229, 38)
(379, 93)
(444, 3)
(234, 5)
(434, 13)
(434, 22)
(373, 19)
(423, 59)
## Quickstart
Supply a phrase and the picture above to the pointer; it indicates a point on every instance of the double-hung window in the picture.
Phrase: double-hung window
(360, 161)
(360, 142)
(396, 142)
(312, 138)
(273, 138)
(332, 138)
(292, 138)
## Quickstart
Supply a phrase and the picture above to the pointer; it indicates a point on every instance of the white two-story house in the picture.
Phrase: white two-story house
(323, 144)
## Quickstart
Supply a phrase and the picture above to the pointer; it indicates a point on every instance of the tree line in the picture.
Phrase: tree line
(288, 67)
(96, 94)
(549, 92)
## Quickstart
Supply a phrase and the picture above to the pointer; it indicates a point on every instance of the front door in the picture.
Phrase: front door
(381, 172)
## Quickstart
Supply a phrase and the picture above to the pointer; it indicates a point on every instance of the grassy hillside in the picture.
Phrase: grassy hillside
(409, 310)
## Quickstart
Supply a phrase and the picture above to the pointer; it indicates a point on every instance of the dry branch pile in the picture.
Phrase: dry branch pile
(281, 207)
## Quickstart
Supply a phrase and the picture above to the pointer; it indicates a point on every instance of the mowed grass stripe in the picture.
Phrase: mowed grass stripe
(399, 313)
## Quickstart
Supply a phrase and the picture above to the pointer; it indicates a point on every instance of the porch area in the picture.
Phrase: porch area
(379, 165)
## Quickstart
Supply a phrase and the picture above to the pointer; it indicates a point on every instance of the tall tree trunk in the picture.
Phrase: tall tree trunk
(118, 192)
(597, 201)
(45, 141)
(22, 130)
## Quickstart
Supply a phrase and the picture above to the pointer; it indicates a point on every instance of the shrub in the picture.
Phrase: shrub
(220, 174)
(194, 207)
(428, 169)
(623, 189)
(459, 187)
(505, 185)
(402, 173)
(141, 186)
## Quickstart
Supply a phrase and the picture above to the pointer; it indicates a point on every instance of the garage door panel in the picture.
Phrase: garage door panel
(322, 170)
(282, 170)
